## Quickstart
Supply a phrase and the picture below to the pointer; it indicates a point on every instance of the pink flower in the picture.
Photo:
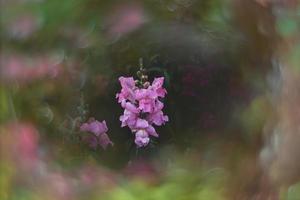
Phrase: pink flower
(98, 128)
(157, 86)
(141, 124)
(26, 69)
(92, 141)
(20, 141)
(146, 98)
(130, 107)
(99, 137)
(95, 127)
(142, 108)
(23, 26)
(126, 18)
(104, 141)
(146, 105)
(158, 118)
(128, 118)
(141, 138)
(144, 124)
(128, 86)
(143, 170)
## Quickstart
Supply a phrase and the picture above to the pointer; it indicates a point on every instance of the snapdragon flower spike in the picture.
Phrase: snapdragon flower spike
(142, 107)
(98, 133)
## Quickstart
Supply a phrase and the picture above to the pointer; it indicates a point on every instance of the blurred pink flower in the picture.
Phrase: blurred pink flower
(22, 27)
(95, 127)
(21, 144)
(26, 69)
(99, 136)
(27, 141)
(144, 170)
(59, 186)
(126, 19)
(95, 176)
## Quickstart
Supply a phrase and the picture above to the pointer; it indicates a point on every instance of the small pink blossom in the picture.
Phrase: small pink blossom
(157, 87)
(146, 98)
(128, 86)
(21, 141)
(26, 69)
(158, 118)
(141, 138)
(95, 127)
(128, 119)
(99, 136)
(23, 26)
(126, 18)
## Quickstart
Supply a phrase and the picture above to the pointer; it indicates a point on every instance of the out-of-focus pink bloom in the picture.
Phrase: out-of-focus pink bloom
(92, 141)
(142, 108)
(21, 143)
(141, 169)
(95, 177)
(88, 175)
(99, 136)
(26, 69)
(104, 141)
(27, 141)
(282, 3)
(59, 186)
(95, 127)
(126, 18)
(23, 26)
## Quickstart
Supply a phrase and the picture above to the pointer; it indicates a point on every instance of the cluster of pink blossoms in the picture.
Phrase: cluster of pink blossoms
(97, 132)
(142, 107)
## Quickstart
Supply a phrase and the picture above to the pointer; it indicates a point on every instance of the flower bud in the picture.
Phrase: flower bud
(144, 77)
(139, 74)
(146, 84)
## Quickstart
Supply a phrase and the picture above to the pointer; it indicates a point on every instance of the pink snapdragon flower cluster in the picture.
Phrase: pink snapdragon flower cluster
(142, 108)
(98, 134)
